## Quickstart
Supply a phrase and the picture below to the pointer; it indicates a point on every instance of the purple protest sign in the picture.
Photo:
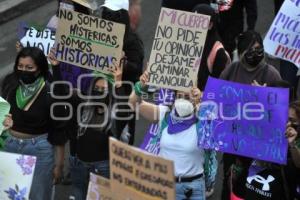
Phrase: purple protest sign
(244, 120)
(151, 143)
(72, 73)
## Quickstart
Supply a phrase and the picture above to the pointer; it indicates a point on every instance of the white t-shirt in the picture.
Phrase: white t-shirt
(182, 149)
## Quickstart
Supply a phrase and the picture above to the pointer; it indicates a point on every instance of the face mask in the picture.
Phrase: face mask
(183, 107)
(27, 77)
(254, 57)
(102, 97)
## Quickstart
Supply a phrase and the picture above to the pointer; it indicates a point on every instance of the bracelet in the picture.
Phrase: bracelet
(138, 89)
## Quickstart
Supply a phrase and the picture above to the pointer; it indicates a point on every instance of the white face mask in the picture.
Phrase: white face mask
(183, 107)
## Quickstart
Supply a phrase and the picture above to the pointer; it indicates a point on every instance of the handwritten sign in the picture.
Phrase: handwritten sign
(150, 143)
(139, 175)
(31, 37)
(88, 42)
(283, 38)
(177, 49)
(245, 120)
(4, 110)
(16, 173)
(99, 188)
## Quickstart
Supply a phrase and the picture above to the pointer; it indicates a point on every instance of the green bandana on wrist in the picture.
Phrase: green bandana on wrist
(139, 90)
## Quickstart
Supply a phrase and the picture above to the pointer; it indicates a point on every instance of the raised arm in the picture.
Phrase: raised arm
(148, 110)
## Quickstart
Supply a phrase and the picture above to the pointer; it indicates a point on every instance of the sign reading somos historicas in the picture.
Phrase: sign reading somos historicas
(244, 120)
(87, 41)
(137, 175)
(283, 38)
(177, 49)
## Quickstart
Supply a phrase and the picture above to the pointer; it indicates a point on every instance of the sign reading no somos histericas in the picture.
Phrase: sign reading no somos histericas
(88, 41)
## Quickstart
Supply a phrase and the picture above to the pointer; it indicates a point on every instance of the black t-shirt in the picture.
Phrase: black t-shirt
(266, 184)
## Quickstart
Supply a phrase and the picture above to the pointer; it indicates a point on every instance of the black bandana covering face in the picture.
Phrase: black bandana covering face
(254, 56)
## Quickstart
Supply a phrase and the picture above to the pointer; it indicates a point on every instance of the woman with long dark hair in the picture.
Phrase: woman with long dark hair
(95, 119)
(34, 131)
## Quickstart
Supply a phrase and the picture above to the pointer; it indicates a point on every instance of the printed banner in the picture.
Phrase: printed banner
(30, 36)
(16, 173)
(150, 144)
(4, 110)
(136, 175)
(88, 42)
(283, 38)
(177, 49)
(99, 188)
(245, 120)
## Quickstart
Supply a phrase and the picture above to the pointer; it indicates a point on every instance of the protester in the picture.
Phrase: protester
(214, 57)
(33, 131)
(265, 180)
(251, 68)
(231, 22)
(117, 11)
(292, 169)
(178, 138)
(94, 120)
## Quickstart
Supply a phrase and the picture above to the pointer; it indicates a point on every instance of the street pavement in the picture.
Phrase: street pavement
(150, 11)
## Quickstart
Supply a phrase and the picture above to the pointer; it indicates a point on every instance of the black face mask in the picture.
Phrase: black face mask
(102, 97)
(27, 77)
(254, 57)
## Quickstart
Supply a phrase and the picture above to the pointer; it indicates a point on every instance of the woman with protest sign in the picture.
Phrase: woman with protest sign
(250, 68)
(94, 118)
(264, 180)
(33, 130)
(195, 168)
(214, 58)
(292, 170)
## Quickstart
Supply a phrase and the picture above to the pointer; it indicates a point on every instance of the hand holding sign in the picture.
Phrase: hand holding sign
(144, 79)
(291, 133)
(52, 58)
(8, 122)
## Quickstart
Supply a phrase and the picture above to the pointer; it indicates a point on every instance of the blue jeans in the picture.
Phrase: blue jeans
(43, 174)
(80, 172)
(197, 186)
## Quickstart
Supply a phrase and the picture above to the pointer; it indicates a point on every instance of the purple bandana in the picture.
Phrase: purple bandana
(179, 124)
